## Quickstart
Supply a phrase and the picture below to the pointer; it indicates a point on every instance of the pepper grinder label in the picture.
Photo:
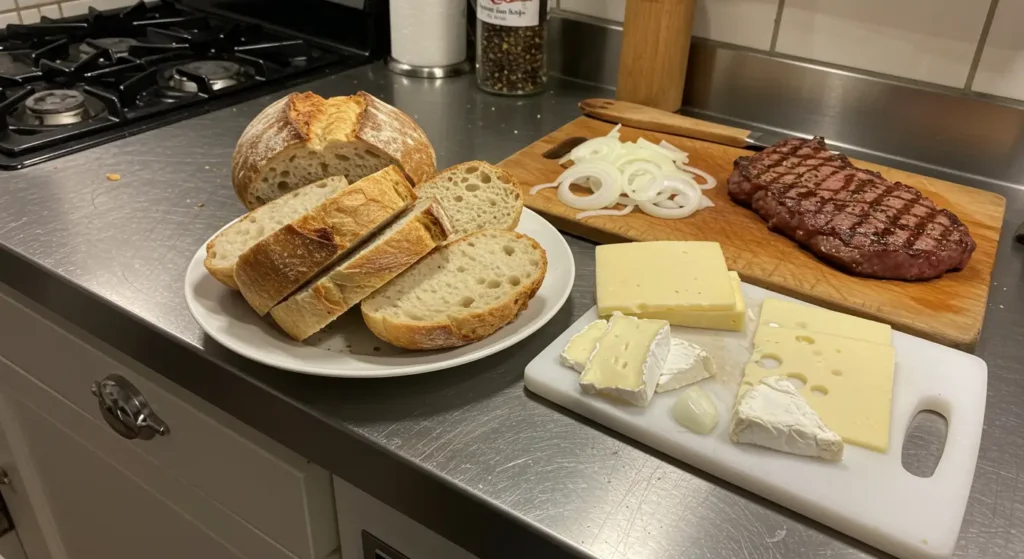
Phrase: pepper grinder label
(511, 13)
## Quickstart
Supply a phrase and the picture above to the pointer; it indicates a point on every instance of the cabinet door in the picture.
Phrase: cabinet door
(98, 510)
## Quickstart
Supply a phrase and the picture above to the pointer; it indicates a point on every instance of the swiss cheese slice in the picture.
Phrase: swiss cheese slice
(634, 278)
(731, 319)
(848, 382)
(796, 316)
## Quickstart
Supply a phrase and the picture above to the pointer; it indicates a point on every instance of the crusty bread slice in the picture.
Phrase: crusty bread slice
(476, 196)
(460, 293)
(222, 251)
(422, 228)
(303, 138)
(279, 264)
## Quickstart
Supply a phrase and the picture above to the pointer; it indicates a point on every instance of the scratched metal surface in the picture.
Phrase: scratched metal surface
(473, 428)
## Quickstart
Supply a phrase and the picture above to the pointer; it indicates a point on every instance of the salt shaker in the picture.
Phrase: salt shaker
(510, 46)
(428, 38)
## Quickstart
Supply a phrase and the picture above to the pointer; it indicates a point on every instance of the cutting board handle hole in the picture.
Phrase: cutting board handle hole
(924, 443)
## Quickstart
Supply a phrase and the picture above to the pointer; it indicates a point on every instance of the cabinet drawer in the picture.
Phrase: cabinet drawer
(99, 497)
(275, 490)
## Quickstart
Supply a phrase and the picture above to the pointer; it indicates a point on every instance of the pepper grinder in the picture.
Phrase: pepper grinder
(428, 38)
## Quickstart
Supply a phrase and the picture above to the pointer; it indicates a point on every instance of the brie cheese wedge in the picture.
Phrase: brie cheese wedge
(687, 363)
(579, 348)
(628, 359)
(774, 415)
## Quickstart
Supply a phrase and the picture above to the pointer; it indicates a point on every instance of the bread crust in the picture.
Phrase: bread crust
(226, 274)
(308, 311)
(279, 264)
(466, 329)
(307, 120)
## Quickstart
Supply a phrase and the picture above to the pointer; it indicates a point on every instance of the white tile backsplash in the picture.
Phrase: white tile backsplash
(929, 40)
(1001, 70)
(614, 10)
(743, 22)
(75, 8)
(29, 16)
(32, 10)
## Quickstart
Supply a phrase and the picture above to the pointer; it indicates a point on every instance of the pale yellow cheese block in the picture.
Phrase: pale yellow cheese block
(732, 319)
(635, 278)
(848, 382)
(788, 314)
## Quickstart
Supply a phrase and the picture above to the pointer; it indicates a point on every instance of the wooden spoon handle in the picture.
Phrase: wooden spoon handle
(656, 120)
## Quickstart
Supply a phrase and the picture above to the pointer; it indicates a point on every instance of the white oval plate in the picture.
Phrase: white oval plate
(347, 348)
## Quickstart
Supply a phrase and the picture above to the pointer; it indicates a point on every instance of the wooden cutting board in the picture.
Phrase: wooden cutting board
(948, 310)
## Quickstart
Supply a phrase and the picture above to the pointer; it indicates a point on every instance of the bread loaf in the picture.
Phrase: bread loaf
(476, 196)
(279, 264)
(222, 251)
(460, 293)
(400, 245)
(303, 138)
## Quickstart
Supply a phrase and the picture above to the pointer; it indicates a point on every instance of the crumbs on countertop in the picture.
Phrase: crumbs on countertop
(113, 177)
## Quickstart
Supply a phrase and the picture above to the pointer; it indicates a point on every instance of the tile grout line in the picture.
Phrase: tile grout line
(980, 49)
(778, 25)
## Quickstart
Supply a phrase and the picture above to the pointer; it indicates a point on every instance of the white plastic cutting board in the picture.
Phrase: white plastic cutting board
(868, 495)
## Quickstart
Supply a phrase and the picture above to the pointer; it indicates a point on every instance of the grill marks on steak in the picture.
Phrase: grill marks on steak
(848, 216)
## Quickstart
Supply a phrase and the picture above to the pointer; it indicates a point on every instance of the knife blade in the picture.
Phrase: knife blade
(657, 120)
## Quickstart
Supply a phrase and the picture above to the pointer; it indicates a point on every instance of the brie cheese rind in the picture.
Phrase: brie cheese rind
(628, 359)
(687, 363)
(579, 348)
(773, 414)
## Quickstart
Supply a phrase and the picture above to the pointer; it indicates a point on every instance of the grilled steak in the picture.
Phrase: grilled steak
(848, 216)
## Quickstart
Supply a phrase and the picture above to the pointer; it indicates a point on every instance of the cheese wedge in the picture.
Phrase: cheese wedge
(628, 359)
(687, 363)
(579, 348)
(773, 414)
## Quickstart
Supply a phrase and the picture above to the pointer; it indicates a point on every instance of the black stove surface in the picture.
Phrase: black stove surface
(66, 85)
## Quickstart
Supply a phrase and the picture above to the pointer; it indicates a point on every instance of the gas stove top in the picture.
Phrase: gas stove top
(66, 85)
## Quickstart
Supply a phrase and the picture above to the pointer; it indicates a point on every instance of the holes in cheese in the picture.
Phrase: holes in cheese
(805, 340)
(769, 361)
(798, 380)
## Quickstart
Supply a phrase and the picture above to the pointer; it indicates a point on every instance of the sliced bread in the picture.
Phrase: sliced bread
(476, 196)
(303, 138)
(460, 293)
(279, 264)
(400, 245)
(222, 251)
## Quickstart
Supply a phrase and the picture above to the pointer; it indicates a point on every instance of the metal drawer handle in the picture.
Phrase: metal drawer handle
(126, 410)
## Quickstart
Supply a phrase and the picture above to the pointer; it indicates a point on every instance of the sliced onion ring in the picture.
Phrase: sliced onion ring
(609, 178)
(710, 181)
(540, 187)
(595, 213)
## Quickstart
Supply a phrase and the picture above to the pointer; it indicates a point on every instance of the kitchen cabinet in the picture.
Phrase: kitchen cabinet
(192, 482)
(378, 531)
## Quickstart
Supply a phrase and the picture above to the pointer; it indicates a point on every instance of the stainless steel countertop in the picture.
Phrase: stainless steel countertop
(466, 452)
